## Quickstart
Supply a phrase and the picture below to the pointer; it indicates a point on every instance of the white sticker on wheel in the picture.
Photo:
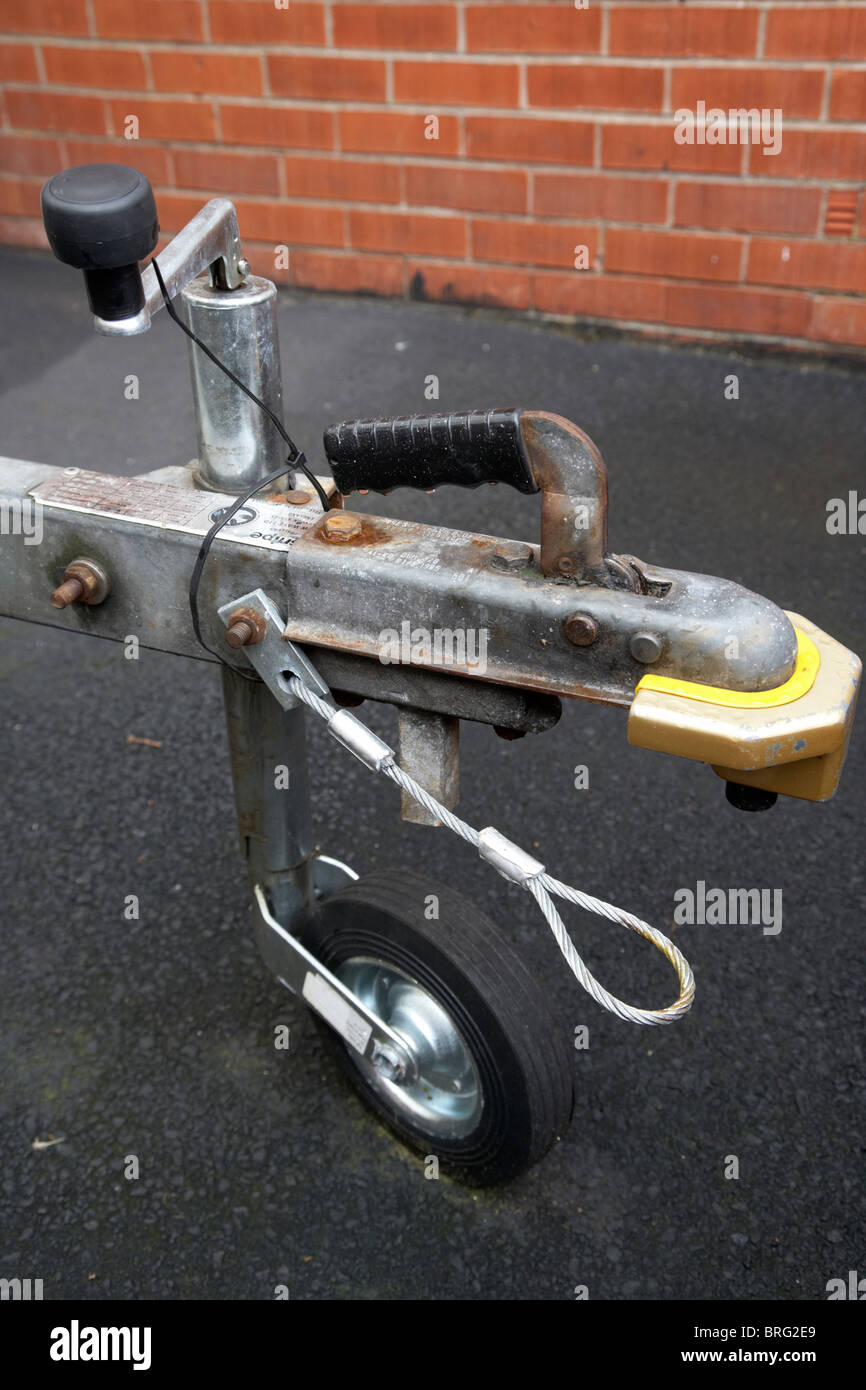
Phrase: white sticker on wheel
(334, 1010)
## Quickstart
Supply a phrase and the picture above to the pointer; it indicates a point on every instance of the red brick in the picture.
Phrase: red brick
(654, 147)
(278, 127)
(831, 31)
(814, 154)
(151, 160)
(524, 139)
(848, 96)
(685, 255)
(56, 111)
(18, 63)
(22, 231)
(469, 284)
(840, 213)
(55, 17)
(395, 26)
(175, 210)
(838, 320)
(816, 264)
(599, 296)
(235, 74)
(291, 223)
(345, 180)
(21, 197)
(797, 92)
(412, 233)
(476, 190)
(348, 273)
(161, 118)
(531, 243)
(24, 154)
(327, 79)
(390, 132)
(677, 31)
(605, 196)
(220, 172)
(722, 307)
(439, 83)
(747, 207)
(157, 19)
(106, 68)
(534, 28)
(245, 22)
(598, 88)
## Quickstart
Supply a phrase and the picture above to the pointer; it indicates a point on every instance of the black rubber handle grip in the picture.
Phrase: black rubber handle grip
(466, 448)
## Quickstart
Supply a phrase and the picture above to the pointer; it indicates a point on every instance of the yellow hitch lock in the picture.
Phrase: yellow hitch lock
(791, 740)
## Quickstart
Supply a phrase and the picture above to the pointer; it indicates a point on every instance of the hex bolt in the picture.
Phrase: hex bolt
(83, 581)
(68, 592)
(340, 526)
(581, 629)
(245, 629)
(645, 647)
(511, 556)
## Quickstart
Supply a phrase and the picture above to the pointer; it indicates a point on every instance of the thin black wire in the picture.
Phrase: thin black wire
(296, 459)
(198, 567)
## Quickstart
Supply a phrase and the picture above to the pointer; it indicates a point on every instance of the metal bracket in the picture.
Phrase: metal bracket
(357, 1025)
(273, 656)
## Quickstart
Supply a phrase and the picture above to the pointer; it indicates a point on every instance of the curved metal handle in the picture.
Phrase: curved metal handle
(528, 449)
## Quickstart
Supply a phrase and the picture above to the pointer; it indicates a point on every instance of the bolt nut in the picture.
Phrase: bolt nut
(340, 526)
(645, 647)
(246, 628)
(388, 1062)
(511, 556)
(566, 565)
(83, 581)
(581, 629)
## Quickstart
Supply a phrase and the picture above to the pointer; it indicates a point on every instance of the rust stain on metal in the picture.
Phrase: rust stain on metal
(351, 528)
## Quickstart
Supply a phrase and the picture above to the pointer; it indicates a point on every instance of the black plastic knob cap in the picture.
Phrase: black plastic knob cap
(100, 216)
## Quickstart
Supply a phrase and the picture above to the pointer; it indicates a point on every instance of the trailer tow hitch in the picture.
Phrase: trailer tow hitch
(428, 1009)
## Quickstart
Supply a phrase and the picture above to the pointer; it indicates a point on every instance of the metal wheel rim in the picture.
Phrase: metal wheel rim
(446, 1099)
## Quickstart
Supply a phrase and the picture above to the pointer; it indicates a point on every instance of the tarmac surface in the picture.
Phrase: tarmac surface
(155, 1039)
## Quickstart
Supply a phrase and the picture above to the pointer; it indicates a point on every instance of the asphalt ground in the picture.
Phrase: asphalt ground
(155, 1038)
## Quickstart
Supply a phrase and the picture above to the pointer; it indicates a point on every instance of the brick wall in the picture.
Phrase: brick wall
(554, 130)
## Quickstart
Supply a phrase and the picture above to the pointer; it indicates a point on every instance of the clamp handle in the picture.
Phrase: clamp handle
(528, 449)
(466, 448)
(102, 219)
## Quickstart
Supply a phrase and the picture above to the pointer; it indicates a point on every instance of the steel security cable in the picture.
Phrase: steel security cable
(514, 864)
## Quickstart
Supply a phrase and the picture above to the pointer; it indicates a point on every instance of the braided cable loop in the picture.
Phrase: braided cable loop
(543, 889)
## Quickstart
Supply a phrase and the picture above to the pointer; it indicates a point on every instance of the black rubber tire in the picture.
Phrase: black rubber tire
(523, 1062)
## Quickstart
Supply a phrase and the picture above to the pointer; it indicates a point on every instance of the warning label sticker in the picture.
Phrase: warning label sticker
(272, 525)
